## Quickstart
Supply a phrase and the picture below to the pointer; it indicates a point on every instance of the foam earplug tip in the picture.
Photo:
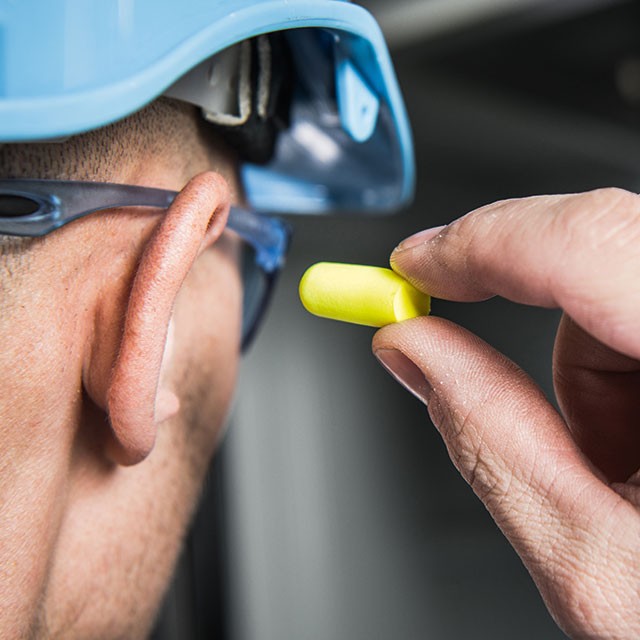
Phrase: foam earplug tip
(371, 296)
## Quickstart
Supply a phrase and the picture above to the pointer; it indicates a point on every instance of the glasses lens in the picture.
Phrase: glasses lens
(257, 288)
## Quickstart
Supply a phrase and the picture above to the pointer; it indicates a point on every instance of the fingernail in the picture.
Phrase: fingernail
(405, 372)
(419, 238)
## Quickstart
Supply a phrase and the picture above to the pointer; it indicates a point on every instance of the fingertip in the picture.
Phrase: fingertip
(417, 239)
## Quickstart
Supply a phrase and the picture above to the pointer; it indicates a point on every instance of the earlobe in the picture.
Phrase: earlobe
(132, 391)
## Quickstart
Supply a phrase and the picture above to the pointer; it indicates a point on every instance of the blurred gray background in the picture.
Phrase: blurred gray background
(333, 511)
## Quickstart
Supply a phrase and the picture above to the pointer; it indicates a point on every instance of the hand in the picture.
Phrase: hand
(565, 489)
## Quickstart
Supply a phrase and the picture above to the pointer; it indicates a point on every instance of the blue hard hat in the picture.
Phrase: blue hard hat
(69, 66)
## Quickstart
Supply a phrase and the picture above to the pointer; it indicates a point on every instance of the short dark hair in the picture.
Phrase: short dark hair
(93, 155)
(159, 130)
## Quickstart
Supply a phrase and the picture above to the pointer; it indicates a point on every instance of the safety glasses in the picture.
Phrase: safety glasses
(34, 208)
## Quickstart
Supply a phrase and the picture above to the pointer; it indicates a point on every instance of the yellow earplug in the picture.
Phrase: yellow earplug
(372, 296)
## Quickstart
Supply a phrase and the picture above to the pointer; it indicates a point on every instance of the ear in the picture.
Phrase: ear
(127, 384)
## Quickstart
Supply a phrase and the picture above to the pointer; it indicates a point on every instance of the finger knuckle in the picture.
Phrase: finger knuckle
(584, 606)
(595, 580)
(594, 235)
(600, 217)
(617, 199)
(491, 487)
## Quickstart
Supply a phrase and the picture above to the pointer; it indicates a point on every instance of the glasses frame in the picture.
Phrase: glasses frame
(52, 204)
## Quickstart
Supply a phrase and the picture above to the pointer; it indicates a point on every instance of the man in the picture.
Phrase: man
(122, 329)
(123, 350)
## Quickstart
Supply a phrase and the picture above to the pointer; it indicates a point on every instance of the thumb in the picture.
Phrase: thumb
(517, 454)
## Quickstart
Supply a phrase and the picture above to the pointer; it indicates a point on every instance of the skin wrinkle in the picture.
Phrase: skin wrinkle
(589, 599)
(570, 573)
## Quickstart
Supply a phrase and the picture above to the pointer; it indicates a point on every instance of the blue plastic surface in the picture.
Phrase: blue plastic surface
(68, 66)
(358, 105)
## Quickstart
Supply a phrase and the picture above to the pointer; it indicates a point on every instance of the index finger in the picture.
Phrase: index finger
(578, 252)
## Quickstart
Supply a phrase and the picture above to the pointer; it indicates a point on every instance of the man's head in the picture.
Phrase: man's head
(122, 329)
(99, 319)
